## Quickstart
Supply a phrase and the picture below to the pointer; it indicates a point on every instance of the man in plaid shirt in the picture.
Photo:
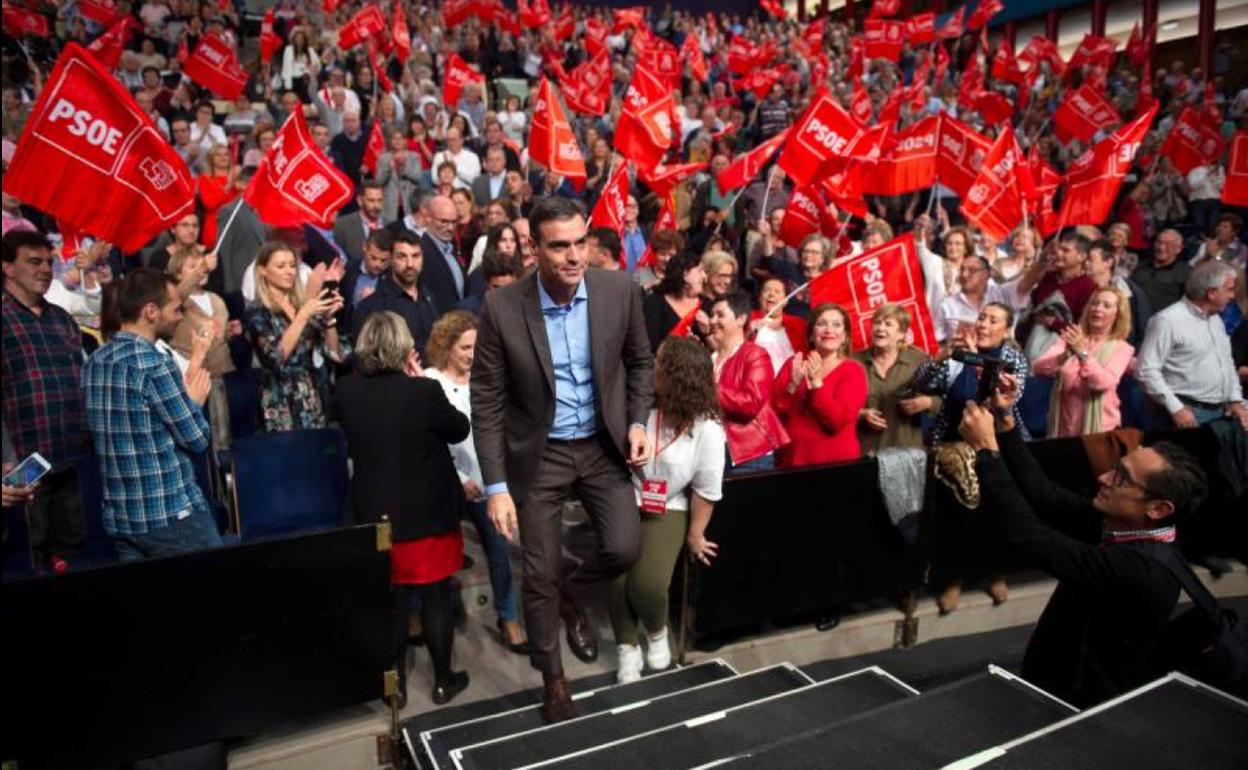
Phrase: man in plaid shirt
(42, 399)
(147, 420)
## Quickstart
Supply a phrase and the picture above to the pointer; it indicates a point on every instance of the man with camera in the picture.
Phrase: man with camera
(1094, 639)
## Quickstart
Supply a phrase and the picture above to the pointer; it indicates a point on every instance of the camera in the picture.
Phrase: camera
(989, 374)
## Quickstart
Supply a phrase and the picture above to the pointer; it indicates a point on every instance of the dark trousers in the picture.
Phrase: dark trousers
(592, 471)
(437, 621)
(57, 524)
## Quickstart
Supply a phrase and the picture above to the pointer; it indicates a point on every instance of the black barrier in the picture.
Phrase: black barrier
(132, 660)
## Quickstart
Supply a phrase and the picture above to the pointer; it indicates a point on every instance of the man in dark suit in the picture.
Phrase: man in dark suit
(443, 270)
(1093, 640)
(351, 230)
(239, 244)
(561, 390)
(398, 290)
(491, 185)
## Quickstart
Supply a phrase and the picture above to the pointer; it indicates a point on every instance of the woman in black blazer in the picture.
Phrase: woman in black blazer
(398, 425)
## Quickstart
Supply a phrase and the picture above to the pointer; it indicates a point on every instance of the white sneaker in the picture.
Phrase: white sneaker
(658, 654)
(631, 663)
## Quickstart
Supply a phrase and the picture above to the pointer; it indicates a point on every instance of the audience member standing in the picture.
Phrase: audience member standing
(399, 291)
(1163, 279)
(891, 416)
(205, 324)
(443, 268)
(42, 393)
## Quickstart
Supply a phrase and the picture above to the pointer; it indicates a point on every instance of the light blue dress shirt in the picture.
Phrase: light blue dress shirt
(634, 247)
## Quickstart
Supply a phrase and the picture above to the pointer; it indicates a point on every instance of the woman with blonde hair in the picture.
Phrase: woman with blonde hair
(957, 245)
(398, 426)
(813, 258)
(721, 273)
(1088, 361)
(201, 334)
(287, 325)
(215, 187)
(892, 412)
(450, 351)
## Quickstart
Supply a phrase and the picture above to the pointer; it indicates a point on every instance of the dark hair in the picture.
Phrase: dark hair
(22, 239)
(1234, 220)
(495, 233)
(817, 312)
(551, 208)
(738, 302)
(109, 323)
(205, 103)
(673, 281)
(663, 240)
(686, 391)
(1009, 314)
(139, 288)
(1183, 482)
(607, 239)
(1105, 246)
(370, 184)
(1082, 242)
(404, 236)
(381, 238)
(494, 265)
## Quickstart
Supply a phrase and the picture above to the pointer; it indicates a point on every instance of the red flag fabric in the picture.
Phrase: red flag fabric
(1093, 50)
(1093, 179)
(626, 18)
(774, 8)
(581, 96)
(1235, 190)
(565, 25)
(685, 324)
(108, 47)
(363, 26)
(1005, 64)
(373, 149)
(992, 106)
(609, 210)
(269, 40)
(456, 12)
(909, 161)
(694, 57)
(1194, 140)
(20, 21)
(1047, 183)
(666, 221)
(663, 60)
(942, 64)
(1084, 112)
(984, 11)
(882, 9)
(99, 11)
(994, 203)
(741, 55)
(961, 153)
(88, 153)
(759, 82)
(921, 28)
(883, 38)
(1040, 49)
(801, 216)
(857, 58)
(214, 65)
(459, 73)
(533, 15)
(860, 105)
(1138, 46)
(71, 240)
(644, 131)
(953, 26)
(813, 34)
(295, 183)
(888, 273)
(844, 189)
(745, 167)
(400, 34)
(595, 36)
(663, 179)
(826, 131)
(551, 141)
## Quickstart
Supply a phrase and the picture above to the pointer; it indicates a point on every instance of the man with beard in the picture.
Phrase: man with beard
(147, 419)
(400, 292)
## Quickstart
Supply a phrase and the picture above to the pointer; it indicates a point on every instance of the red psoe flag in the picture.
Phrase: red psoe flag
(984, 11)
(961, 153)
(666, 221)
(609, 210)
(295, 183)
(801, 216)
(663, 179)
(373, 149)
(1039, 49)
(399, 32)
(459, 73)
(1093, 50)
(456, 12)
(953, 26)
(826, 131)
(844, 190)
(269, 40)
(214, 65)
(644, 131)
(89, 157)
(745, 167)
(1093, 179)
(20, 21)
(882, 9)
(551, 141)
(1138, 46)
(994, 203)
(921, 28)
(1083, 113)
(595, 36)
(1235, 190)
(1005, 64)
(882, 38)
(629, 18)
(99, 11)
(363, 26)
(693, 56)
(1194, 140)
(108, 47)
(860, 105)
(908, 162)
(888, 273)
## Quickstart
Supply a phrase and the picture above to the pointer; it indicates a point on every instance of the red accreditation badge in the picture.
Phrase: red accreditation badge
(654, 496)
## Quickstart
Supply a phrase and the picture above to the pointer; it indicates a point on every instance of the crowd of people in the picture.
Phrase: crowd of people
(119, 359)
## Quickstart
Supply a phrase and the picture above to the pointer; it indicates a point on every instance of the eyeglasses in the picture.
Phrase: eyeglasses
(448, 221)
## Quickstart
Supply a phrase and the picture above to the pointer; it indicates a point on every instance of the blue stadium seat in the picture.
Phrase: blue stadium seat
(242, 392)
(19, 558)
(99, 547)
(1137, 408)
(1035, 405)
(288, 482)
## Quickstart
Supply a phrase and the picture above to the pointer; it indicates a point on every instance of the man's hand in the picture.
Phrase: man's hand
(502, 512)
(17, 495)
(472, 491)
(198, 385)
(638, 446)
(1184, 418)
(1239, 412)
(978, 428)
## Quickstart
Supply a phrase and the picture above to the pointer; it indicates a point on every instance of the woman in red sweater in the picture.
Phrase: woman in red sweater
(819, 394)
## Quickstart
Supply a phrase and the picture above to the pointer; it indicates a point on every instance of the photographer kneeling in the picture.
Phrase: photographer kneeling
(1094, 638)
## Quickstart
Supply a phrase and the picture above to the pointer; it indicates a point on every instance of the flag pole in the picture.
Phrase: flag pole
(228, 222)
(766, 194)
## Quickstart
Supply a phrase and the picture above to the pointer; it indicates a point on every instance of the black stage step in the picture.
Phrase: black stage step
(1173, 722)
(437, 743)
(633, 719)
(745, 727)
(930, 731)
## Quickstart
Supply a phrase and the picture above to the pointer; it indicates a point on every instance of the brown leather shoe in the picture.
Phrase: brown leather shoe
(581, 637)
(999, 590)
(556, 703)
(949, 598)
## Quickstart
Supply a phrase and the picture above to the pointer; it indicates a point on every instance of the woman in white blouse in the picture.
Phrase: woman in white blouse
(452, 343)
(682, 484)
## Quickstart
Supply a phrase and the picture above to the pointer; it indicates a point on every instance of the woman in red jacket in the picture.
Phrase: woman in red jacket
(820, 394)
(744, 378)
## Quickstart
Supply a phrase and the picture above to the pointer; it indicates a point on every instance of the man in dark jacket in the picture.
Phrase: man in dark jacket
(1094, 639)
(399, 290)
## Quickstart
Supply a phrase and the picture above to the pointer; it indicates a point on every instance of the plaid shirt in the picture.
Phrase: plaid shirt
(42, 366)
(144, 425)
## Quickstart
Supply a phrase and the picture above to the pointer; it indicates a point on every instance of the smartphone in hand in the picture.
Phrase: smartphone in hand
(28, 471)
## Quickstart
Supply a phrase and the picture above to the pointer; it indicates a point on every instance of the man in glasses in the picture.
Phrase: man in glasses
(1093, 640)
(443, 275)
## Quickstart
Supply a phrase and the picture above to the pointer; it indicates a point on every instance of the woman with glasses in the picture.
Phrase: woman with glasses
(721, 273)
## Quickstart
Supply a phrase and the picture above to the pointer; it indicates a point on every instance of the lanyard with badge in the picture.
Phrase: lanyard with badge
(654, 488)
